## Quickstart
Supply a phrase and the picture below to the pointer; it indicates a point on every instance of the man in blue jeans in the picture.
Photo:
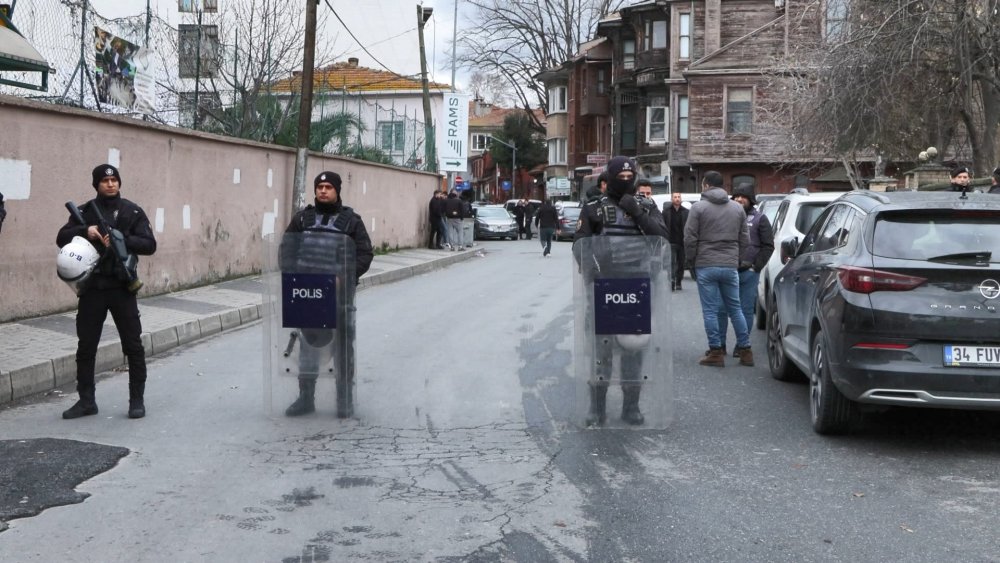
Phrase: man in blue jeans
(714, 238)
(752, 260)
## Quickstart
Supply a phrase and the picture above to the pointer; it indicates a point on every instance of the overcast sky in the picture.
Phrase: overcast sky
(387, 28)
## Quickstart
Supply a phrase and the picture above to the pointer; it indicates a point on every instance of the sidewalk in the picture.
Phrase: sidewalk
(39, 354)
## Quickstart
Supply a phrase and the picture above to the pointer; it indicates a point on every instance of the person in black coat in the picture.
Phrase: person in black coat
(435, 214)
(675, 216)
(519, 217)
(547, 220)
(107, 290)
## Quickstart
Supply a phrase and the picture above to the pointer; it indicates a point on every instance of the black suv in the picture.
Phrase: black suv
(891, 299)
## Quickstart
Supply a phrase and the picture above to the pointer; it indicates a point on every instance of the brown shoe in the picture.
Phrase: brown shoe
(715, 357)
(746, 356)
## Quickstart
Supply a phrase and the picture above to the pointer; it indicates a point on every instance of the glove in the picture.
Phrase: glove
(630, 205)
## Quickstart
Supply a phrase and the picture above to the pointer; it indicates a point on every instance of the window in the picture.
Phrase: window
(682, 117)
(557, 151)
(557, 99)
(656, 124)
(836, 19)
(392, 136)
(739, 106)
(602, 86)
(628, 54)
(684, 35)
(655, 36)
(480, 142)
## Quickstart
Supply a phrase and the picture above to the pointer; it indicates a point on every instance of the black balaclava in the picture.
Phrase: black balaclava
(618, 188)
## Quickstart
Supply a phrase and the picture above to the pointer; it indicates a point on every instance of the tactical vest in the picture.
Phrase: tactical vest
(321, 245)
(624, 243)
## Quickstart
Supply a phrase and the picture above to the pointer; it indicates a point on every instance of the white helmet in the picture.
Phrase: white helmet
(632, 341)
(75, 262)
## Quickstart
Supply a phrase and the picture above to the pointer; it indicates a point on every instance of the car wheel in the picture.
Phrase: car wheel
(830, 410)
(782, 368)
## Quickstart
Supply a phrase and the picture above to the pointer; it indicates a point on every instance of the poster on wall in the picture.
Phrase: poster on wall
(121, 73)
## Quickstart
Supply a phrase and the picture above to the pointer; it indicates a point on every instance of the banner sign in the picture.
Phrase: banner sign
(622, 306)
(453, 133)
(121, 73)
(308, 301)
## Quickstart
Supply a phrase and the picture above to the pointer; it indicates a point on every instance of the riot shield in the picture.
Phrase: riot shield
(309, 324)
(623, 359)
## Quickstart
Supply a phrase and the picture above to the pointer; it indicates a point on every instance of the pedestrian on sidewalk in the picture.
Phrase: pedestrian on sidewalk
(715, 237)
(3, 212)
(547, 220)
(453, 218)
(106, 289)
(468, 219)
(752, 261)
(435, 214)
(330, 216)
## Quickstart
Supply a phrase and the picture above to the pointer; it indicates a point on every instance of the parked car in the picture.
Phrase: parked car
(891, 299)
(494, 222)
(769, 207)
(568, 218)
(796, 214)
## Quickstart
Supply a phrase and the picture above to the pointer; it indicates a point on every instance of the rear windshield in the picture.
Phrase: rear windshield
(946, 235)
(808, 213)
(571, 212)
(492, 213)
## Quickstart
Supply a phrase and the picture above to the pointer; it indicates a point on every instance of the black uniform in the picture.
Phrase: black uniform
(300, 254)
(105, 290)
(618, 215)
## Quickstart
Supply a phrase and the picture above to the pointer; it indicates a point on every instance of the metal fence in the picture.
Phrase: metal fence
(63, 31)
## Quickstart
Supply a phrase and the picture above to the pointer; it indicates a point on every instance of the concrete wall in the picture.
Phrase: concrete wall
(210, 199)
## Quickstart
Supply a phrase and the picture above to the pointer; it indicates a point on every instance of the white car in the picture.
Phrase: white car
(796, 213)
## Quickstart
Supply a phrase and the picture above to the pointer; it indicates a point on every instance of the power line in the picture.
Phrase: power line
(358, 41)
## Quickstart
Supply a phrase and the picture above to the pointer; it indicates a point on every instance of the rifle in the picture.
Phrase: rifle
(126, 260)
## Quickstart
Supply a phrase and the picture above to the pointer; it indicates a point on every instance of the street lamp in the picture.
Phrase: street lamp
(513, 166)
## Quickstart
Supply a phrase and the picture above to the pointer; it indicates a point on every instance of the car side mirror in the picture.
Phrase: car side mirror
(789, 247)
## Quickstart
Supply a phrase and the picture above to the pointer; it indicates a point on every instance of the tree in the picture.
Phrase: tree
(897, 77)
(518, 130)
(518, 39)
(260, 42)
(491, 88)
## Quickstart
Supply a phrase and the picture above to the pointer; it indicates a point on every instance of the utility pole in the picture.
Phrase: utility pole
(424, 14)
(305, 109)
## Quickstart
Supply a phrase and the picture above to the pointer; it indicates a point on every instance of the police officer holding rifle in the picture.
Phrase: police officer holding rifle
(117, 230)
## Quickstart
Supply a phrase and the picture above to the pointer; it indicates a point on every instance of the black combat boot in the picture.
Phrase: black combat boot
(598, 398)
(86, 406)
(305, 404)
(136, 406)
(630, 405)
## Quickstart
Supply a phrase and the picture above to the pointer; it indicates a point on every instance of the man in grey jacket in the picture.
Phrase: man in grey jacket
(714, 238)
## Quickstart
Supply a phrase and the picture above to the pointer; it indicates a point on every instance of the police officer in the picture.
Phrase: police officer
(328, 215)
(107, 290)
(618, 213)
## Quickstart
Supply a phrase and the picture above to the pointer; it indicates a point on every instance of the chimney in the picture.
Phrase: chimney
(713, 23)
(352, 62)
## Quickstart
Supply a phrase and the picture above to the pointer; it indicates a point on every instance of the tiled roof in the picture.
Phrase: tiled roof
(353, 78)
(494, 115)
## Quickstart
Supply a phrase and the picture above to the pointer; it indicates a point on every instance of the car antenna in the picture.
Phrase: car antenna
(964, 195)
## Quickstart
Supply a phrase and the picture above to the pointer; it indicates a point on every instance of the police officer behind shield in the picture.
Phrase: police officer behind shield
(106, 289)
(619, 214)
(328, 215)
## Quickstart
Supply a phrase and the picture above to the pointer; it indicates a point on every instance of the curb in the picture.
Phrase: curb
(51, 374)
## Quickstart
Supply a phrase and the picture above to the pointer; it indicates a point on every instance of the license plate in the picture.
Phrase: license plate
(497, 229)
(971, 356)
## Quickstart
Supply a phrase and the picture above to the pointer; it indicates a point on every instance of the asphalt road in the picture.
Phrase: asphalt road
(454, 457)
